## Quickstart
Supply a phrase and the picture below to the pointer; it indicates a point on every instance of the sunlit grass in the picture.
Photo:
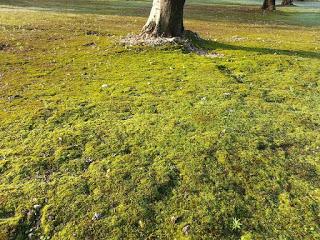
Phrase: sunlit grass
(152, 140)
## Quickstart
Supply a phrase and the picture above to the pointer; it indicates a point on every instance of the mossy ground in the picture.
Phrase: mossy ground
(155, 139)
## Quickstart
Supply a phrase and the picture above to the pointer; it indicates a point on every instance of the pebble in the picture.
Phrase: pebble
(104, 86)
(141, 224)
(89, 160)
(37, 207)
(97, 216)
(186, 229)
(173, 219)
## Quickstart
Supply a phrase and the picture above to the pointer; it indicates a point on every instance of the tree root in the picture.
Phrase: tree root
(186, 42)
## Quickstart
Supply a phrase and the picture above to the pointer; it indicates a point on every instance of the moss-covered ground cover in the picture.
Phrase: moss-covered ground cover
(102, 141)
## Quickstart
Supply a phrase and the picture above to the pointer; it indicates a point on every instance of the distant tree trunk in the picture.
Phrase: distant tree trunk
(166, 19)
(269, 5)
(287, 2)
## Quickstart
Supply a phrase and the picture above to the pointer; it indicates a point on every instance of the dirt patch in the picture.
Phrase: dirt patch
(143, 40)
(91, 44)
(97, 33)
(186, 41)
(4, 46)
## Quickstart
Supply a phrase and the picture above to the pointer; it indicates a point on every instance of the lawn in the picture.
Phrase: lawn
(104, 141)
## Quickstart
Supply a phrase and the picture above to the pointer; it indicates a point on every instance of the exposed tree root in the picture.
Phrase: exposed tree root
(149, 40)
(186, 41)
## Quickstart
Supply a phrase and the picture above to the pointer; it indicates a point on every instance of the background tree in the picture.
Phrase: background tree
(166, 19)
(287, 2)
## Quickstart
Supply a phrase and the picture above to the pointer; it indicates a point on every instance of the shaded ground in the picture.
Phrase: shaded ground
(306, 14)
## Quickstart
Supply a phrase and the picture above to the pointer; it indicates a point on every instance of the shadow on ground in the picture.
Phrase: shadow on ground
(297, 53)
(204, 12)
(210, 45)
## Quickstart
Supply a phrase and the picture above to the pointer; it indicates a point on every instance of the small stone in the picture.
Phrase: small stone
(13, 97)
(97, 216)
(104, 86)
(141, 224)
(173, 219)
(237, 38)
(30, 235)
(89, 160)
(37, 207)
(186, 229)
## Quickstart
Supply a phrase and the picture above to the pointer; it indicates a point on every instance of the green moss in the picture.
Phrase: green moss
(155, 139)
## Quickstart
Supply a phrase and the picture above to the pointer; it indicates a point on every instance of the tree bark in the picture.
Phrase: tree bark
(166, 19)
(269, 5)
(287, 2)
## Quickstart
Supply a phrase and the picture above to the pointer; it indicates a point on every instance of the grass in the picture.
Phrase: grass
(307, 14)
(156, 139)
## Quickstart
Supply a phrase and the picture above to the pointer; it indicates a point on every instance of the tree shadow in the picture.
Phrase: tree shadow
(213, 11)
(209, 45)
(297, 53)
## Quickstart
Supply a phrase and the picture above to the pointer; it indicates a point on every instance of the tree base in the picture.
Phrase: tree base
(165, 19)
(186, 42)
(146, 39)
(268, 8)
(153, 30)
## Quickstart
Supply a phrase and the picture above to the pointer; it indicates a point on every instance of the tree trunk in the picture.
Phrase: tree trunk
(166, 19)
(269, 5)
(287, 2)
